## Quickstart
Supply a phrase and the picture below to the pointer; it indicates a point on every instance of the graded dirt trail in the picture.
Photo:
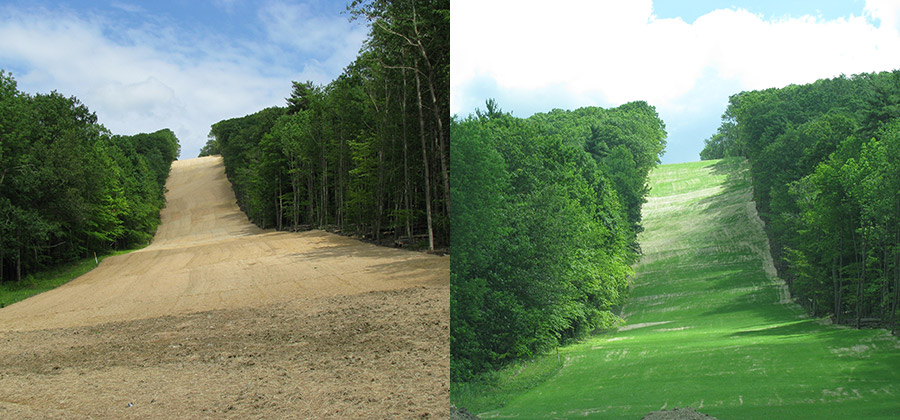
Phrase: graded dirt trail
(218, 317)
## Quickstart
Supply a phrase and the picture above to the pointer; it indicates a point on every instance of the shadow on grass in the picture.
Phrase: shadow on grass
(795, 328)
(721, 209)
(737, 179)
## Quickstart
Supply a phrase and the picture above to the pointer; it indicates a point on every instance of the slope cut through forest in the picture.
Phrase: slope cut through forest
(710, 325)
(311, 315)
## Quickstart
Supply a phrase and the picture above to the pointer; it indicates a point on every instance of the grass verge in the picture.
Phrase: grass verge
(493, 389)
(51, 278)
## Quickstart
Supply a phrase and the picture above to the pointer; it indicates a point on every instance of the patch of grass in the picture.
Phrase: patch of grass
(12, 291)
(494, 389)
(716, 333)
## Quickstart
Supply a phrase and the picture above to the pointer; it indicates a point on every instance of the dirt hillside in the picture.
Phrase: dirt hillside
(218, 317)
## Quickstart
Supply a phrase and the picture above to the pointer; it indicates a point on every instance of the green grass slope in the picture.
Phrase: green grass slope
(709, 326)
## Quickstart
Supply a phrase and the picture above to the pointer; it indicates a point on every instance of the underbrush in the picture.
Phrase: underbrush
(51, 278)
(491, 390)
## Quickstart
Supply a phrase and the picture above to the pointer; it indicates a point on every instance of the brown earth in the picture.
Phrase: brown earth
(686, 413)
(220, 319)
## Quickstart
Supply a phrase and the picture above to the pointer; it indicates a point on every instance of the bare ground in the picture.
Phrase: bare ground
(686, 413)
(219, 319)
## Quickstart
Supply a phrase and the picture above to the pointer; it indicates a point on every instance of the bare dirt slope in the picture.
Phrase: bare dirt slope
(218, 317)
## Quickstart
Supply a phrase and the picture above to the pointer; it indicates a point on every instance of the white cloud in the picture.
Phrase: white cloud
(297, 25)
(887, 12)
(607, 53)
(152, 77)
(127, 7)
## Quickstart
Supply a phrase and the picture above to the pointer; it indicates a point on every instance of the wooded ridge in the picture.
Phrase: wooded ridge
(367, 153)
(825, 161)
(546, 213)
(69, 187)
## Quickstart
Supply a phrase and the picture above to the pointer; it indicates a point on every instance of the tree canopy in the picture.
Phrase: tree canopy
(367, 153)
(68, 187)
(826, 177)
(546, 213)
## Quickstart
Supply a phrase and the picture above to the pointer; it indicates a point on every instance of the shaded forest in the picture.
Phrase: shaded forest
(546, 213)
(366, 154)
(68, 187)
(825, 160)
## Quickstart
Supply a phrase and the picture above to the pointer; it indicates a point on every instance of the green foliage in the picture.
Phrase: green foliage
(51, 278)
(494, 389)
(364, 154)
(68, 187)
(707, 328)
(824, 162)
(717, 147)
(544, 227)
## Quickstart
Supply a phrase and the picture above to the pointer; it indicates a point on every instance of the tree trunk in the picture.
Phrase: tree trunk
(837, 293)
(885, 280)
(436, 109)
(425, 160)
(338, 172)
(861, 275)
(279, 206)
(18, 264)
(310, 194)
(405, 158)
(840, 273)
(295, 212)
(323, 200)
(896, 294)
(442, 149)
(379, 190)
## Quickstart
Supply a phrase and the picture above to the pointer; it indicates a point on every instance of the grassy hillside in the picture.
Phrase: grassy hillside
(709, 326)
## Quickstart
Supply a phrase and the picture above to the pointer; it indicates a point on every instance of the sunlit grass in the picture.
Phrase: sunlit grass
(12, 291)
(493, 389)
(715, 337)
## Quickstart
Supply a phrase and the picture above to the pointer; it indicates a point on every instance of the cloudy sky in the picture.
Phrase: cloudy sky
(179, 64)
(684, 57)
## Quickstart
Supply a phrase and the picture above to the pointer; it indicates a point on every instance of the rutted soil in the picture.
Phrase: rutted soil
(219, 319)
(375, 355)
(686, 413)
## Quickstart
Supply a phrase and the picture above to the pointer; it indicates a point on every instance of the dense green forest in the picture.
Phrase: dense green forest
(68, 187)
(367, 153)
(544, 224)
(825, 160)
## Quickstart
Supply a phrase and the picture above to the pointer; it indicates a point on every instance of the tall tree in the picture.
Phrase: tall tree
(552, 198)
(67, 186)
(367, 153)
(826, 187)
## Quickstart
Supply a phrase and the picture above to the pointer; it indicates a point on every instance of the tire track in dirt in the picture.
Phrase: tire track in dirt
(219, 318)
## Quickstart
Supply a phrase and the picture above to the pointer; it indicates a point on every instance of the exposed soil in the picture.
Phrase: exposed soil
(686, 413)
(461, 414)
(220, 319)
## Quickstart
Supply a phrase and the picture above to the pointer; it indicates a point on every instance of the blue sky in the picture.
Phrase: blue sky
(690, 10)
(684, 57)
(179, 64)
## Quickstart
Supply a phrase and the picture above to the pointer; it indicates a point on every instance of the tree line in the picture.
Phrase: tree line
(825, 160)
(544, 224)
(367, 153)
(68, 187)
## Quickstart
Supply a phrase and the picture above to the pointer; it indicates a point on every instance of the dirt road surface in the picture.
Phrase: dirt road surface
(218, 318)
